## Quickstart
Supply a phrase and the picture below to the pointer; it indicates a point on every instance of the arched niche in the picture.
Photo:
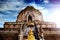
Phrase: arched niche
(29, 18)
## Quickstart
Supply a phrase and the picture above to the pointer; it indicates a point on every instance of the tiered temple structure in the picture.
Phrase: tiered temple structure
(30, 19)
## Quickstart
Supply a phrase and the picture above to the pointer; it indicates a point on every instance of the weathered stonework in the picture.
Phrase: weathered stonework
(23, 16)
(30, 13)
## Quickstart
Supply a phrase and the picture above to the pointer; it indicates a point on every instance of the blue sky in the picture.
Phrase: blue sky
(9, 9)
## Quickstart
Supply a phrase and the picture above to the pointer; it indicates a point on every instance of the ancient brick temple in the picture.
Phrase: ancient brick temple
(30, 18)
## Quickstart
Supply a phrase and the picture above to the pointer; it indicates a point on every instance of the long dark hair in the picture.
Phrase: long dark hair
(36, 32)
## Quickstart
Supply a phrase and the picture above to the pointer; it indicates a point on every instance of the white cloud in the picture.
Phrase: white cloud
(46, 1)
(54, 17)
(11, 6)
(37, 6)
(40, 8)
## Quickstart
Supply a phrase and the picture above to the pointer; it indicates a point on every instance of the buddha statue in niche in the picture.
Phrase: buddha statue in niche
(31, 35)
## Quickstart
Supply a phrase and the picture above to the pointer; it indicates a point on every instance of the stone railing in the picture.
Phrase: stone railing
(51, 32)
